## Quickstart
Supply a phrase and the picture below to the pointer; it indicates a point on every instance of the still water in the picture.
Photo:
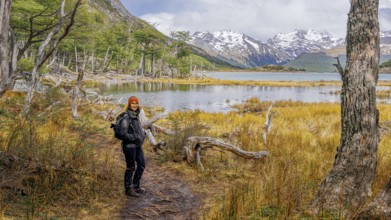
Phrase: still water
(219, 98)
(214, 98)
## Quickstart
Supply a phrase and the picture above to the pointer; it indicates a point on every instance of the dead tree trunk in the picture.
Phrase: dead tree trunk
(92, 62)
(349, 181)
(108, 63)
(268, 123)
(102, 69)
(47, 48)
(153, 64)
(150, 128)
(8, 48)
(76, 89)
(141, 66)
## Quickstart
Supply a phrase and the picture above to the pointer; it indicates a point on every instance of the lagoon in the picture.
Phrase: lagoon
(220, 98)
(214, 98)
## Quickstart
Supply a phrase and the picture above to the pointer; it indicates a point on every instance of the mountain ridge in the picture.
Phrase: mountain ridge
(245, 51)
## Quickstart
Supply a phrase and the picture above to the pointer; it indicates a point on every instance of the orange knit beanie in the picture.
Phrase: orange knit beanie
(132, 99)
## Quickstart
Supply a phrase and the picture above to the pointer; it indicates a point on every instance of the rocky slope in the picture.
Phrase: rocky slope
(245, 51)
(304, 41)
(238, 49)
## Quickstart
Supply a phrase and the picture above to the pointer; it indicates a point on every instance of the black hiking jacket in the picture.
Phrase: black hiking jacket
(132, 133)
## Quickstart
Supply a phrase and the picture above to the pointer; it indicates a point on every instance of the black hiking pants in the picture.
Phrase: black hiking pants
(134, 156)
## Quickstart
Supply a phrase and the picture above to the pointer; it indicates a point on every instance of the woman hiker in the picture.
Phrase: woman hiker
(133, 136)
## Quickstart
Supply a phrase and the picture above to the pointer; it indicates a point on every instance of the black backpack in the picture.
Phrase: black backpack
(117, 126)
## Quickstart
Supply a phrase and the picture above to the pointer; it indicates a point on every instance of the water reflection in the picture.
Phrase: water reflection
(215, 98)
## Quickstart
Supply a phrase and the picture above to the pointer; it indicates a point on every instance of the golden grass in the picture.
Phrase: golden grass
(302, 145)
(67, 168)
(213, 81)
(383, 94)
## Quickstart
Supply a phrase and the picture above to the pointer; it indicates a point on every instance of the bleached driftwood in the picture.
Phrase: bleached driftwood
(268, 123)
(194, 145)
(164, 130)
(147, 123)
(149, 126)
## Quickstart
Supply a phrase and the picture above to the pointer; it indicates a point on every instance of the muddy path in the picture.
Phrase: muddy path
(168, 196)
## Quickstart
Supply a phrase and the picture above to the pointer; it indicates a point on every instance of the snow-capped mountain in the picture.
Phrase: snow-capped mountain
(238, 49)
(305, 41)
(385, 42)
(245, 51)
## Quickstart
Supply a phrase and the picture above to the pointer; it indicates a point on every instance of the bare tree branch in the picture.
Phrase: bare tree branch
(43, 53)
(339, 67)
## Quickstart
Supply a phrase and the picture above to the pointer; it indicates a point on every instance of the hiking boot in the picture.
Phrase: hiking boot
(131, 192)
(140, 190)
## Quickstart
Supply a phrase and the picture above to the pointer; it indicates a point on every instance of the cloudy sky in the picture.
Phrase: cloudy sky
(261, 19)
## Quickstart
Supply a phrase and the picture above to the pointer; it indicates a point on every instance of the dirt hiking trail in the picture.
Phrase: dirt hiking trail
(168, 196)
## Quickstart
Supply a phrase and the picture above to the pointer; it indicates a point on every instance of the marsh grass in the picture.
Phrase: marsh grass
(185, 124)
(213, 81)
(380, 94)
(70, 168)
(302, 145)
(63, 166)
(383, 94)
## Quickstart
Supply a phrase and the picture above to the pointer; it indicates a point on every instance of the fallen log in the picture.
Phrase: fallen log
(195, 144)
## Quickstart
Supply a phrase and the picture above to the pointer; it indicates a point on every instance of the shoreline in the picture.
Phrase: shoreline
(108, 78)
(213, 81)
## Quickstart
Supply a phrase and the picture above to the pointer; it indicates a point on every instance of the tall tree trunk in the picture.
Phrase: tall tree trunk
(47, 48)
(69, 61)
(105, 60)
(143, 64)
(31, 91)
(7, 62)
(126, 60)
(63, 59)
(80, 70)
(140, 69)
(116, 64)
(108, 63)
(191, 63)
(76, 89)
(153, 64)
(92, 62)
(349, 182)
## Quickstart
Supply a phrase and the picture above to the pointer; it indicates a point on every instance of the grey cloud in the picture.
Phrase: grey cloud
(261, 19)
